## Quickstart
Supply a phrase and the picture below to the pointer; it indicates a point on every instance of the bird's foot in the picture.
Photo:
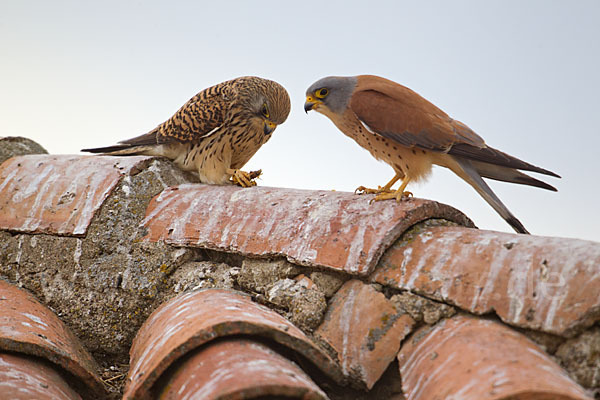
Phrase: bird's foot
(398, 195)
(243, 178)
(366, 190)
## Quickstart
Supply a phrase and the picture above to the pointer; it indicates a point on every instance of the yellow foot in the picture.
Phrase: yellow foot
(365, 190)
(244, 179)
(398, 195)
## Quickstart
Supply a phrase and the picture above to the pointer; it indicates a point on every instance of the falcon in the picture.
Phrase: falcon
(217, 131)
(401, 128)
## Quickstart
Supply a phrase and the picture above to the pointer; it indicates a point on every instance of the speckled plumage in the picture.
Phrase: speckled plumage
(216, 131)
(401, 128)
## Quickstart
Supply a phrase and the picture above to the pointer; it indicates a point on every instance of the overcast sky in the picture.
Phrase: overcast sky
(523, 74)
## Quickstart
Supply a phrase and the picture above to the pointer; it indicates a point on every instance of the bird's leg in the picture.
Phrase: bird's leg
(398, 194)
(386, 189)
(243, 178)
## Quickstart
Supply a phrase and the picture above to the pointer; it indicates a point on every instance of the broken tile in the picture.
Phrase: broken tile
(365, 330)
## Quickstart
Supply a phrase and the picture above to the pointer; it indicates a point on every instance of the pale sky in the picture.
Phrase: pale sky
(523, 74)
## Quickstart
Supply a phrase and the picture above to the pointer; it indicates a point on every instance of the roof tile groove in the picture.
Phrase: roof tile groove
(195, 318)
(365, 330)
(239, 369)
(57, 194)
(541, 283)
(469, 358)
(28, 327)
(337, 230)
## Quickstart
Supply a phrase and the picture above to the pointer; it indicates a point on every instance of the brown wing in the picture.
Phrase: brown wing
(200, 117)
(399, 114)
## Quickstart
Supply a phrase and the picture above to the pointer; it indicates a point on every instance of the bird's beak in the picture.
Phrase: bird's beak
(269, 127)
(311, 103)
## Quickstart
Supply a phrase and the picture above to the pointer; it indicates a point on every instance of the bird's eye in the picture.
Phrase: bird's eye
(321, 93)
(265, 110)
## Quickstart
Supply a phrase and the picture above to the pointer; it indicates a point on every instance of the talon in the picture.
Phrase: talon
(244, 179)
(361, 190)
(364, 190)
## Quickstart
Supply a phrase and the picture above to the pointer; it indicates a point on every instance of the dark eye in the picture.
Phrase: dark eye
(265, 110)
(321, 93)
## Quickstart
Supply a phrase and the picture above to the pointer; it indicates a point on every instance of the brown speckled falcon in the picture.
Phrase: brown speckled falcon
(401, 128)
(217, 131)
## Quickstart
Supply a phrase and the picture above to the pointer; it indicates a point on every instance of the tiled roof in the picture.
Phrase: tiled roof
(268, 293)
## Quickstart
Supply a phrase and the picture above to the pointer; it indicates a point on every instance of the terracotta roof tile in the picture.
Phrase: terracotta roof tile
(24, 378)
(470, 358)
(365, 330)
(315, 228)
(239, 369)
(28, 327)
(57, 194)
(195, 318)
(542, 283)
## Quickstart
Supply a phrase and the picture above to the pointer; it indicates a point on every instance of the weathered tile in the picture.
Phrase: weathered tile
(542, 283)
(239, 369)
(195, 318)
(25, 378)
(316, 228)
(57, 194)
(365, 330)
(28, 327)
(469, 358)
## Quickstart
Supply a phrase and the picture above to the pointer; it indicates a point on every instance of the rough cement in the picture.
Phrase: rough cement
(304, 305)
(581, 357)
(422, 309)
(18, 146)
(259, 275)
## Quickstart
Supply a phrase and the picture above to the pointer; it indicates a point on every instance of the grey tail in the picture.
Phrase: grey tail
(471, 175)
(507, 174)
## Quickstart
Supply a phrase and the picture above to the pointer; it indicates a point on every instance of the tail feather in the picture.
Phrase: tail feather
(118, 150)
(471, 175)
(506, 174)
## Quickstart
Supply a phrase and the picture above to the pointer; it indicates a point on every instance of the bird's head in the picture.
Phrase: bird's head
(330, 95)
(269, 103)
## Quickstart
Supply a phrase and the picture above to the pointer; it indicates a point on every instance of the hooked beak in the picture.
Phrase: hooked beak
(311, 103)
(269, 127)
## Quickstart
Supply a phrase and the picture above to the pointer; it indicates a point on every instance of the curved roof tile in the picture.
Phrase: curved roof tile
(472, 358)
(23, 377)
(195, 318)
(338, 230)
(28, 327)
(239, 369)
(58, 194)
(542, 283)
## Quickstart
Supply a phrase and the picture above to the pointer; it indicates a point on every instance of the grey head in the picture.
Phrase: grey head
(332, 91)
